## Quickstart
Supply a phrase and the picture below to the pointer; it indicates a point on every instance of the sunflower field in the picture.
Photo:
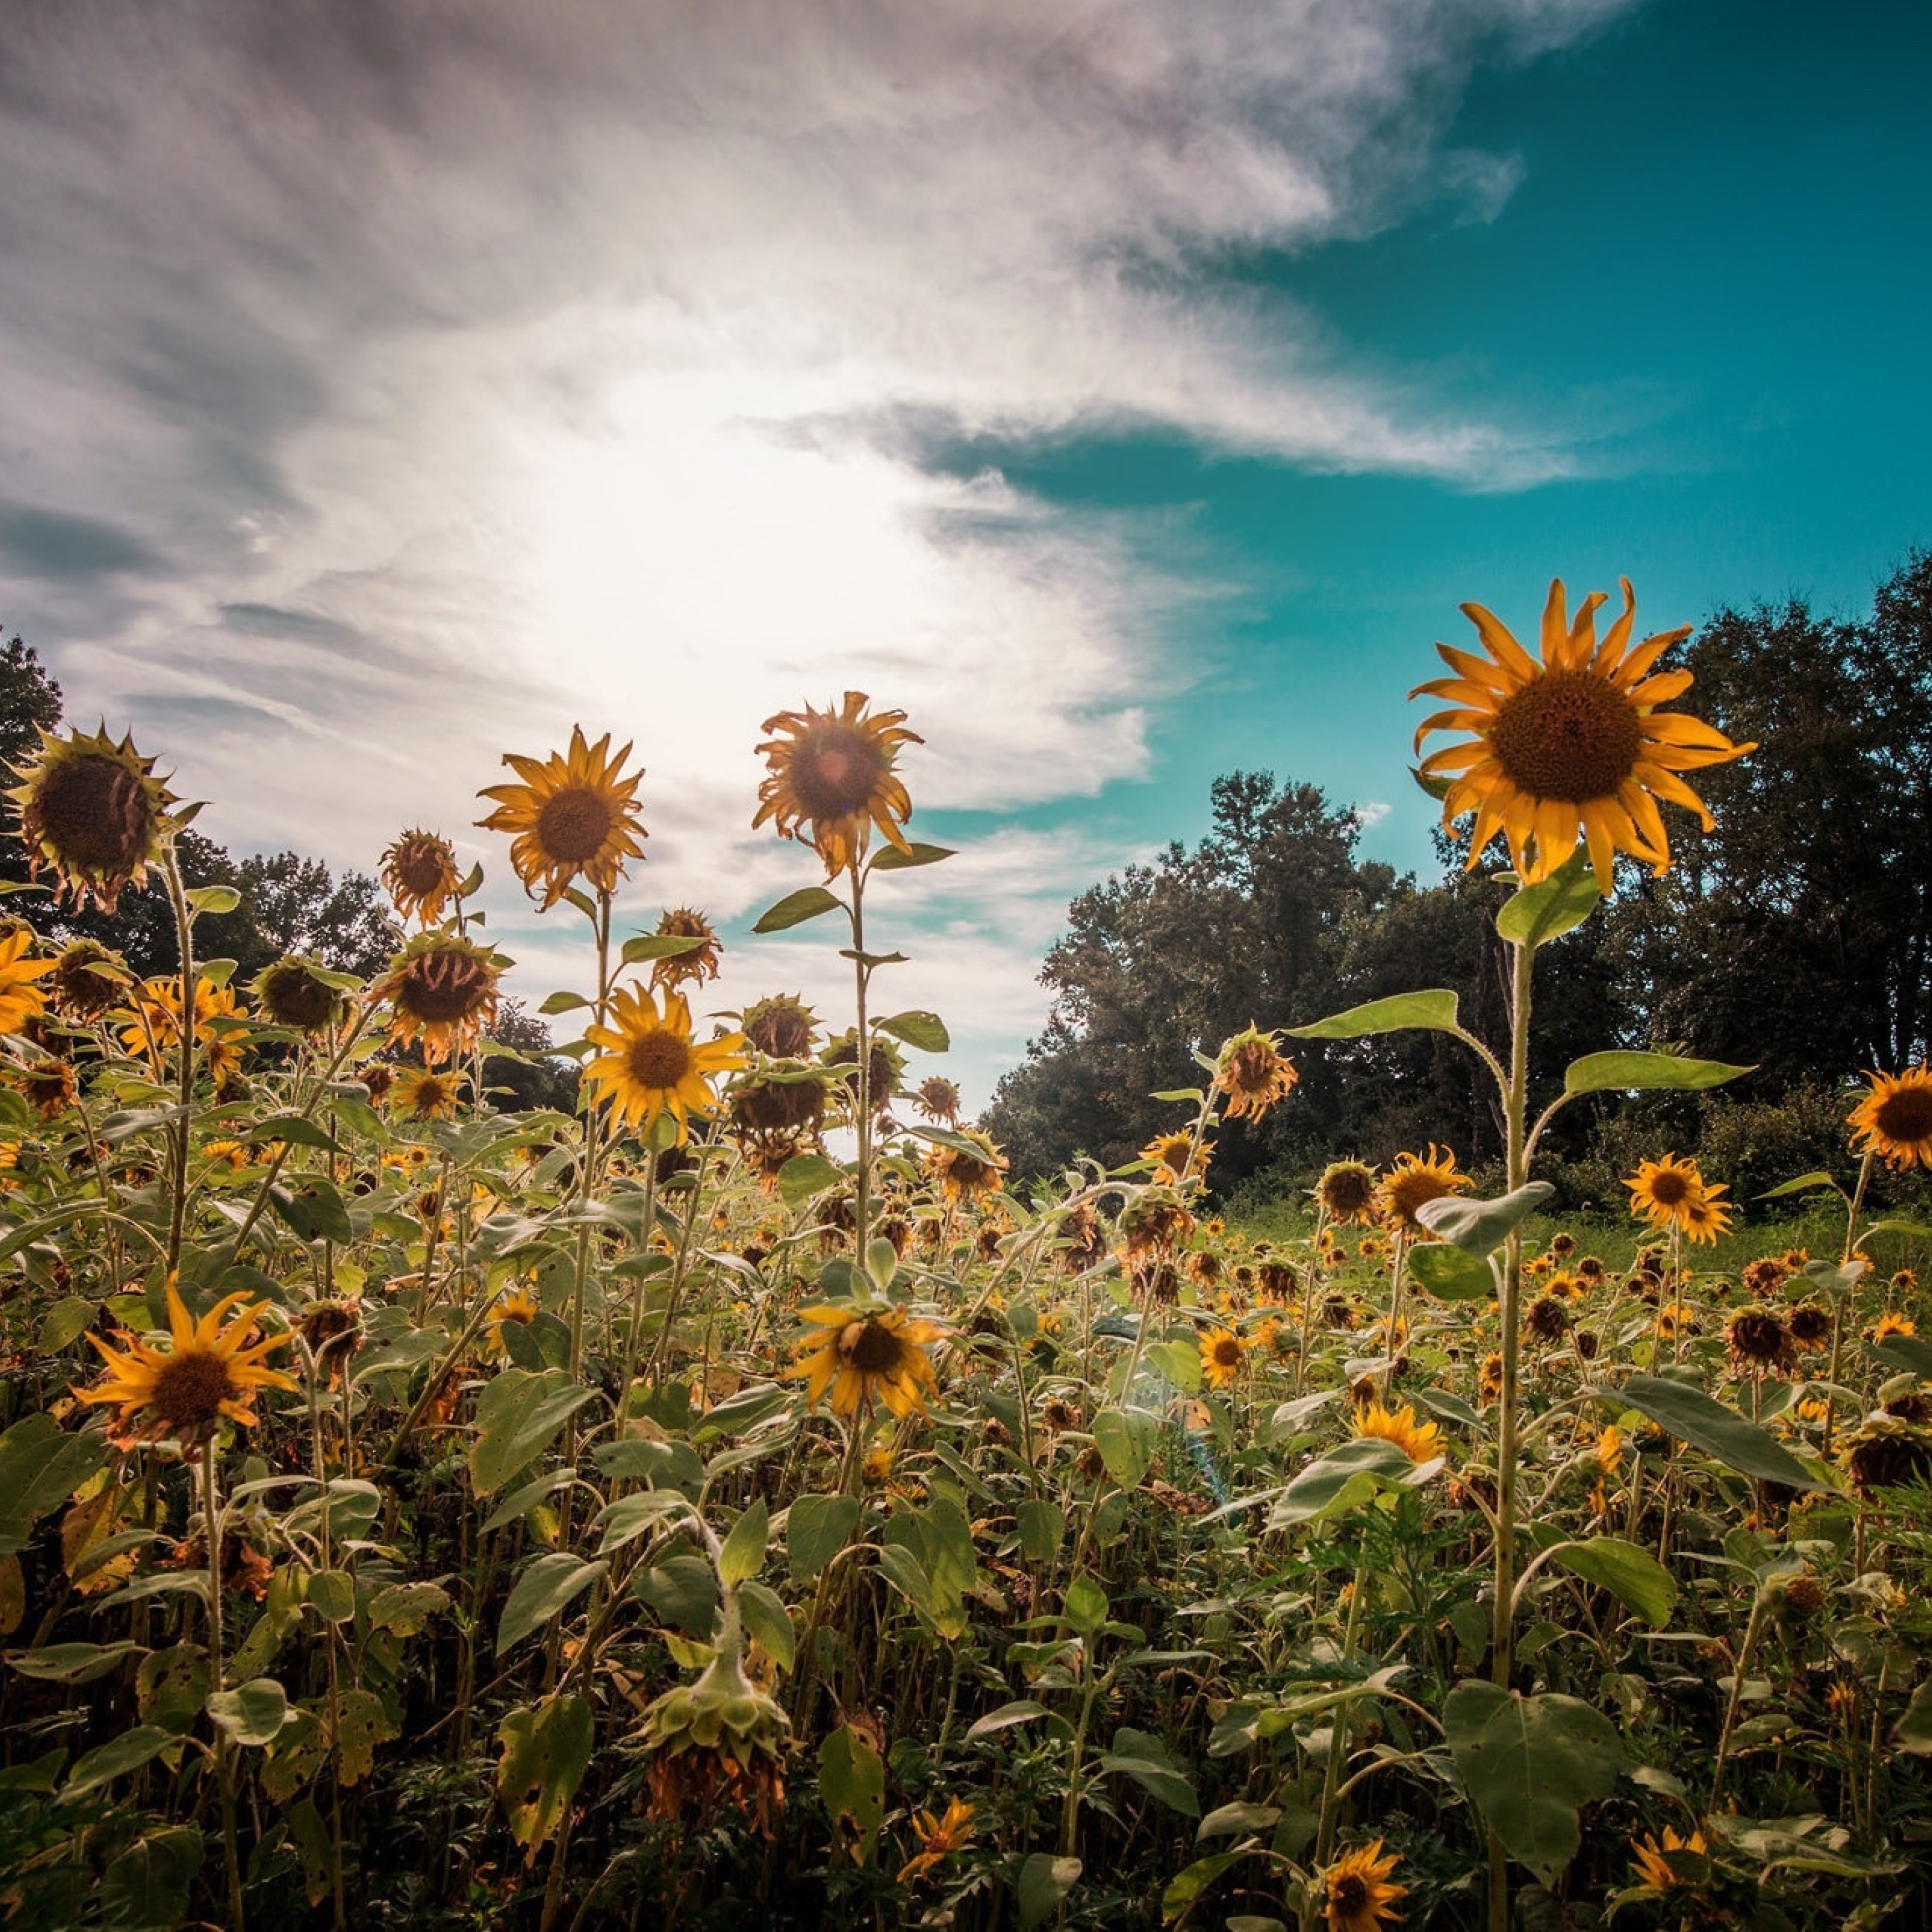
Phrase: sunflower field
(743, 1501)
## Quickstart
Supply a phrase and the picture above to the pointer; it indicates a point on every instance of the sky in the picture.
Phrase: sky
(1129, 392)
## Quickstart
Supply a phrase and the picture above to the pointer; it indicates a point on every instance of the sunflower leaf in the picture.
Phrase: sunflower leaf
(891, 859)
(1614, 1072)
(917, 1027)
(563, 1002)
(1805, 1184)
(1551, 906)
(1479, 1227)
(660, 946)
(795, 908)
(1451, 1275)
(1434, 1011)
(804, 1175)
(1736, 1441)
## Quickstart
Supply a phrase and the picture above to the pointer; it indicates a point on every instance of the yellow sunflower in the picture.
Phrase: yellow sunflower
(938, 1837)
(832, 771)
(418, 1094)
(442, 990)
(1222, 1352)
(1251, 1072)
(1575, 745)
(1705, 1217)
(1177, 1161)
(960, 1176)
(185, 1392)
(519, 1307)
(154, 1025)
(1657, 1869)
(420, 875)
(1356, 1893)
(575, 813)
(1419, 1441)
(862, 1358)
(20, 999)
(1413, 1181)
(1894, 1119)
(1672, 1193)
(651, 1065)
(95, 812)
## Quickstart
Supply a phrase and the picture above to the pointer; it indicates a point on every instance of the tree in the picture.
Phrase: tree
(534, 1079)
(30, 703)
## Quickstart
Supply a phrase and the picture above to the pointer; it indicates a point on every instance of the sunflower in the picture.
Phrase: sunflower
(1419, 1441)
(20, 999)
(518, 1308)
(865, 1357)
(782, 1027)
(1759, 1343)
(1661, 1190)
(441, 989)
(1153, 1224)
(651, 1065)
(575, 812)
(1704, 1217)
(420, 875)
(1894, 1119)
(417, 1093)
(1357, 1895)
(50, 1085)
(885, 1068)
(964, 1176)
(1658, 1868)
(1573, 745)
(1891, 1323)
(1251, 1072)
(1177, 1161)
(1347, 1192)
(154, 1025)
(88, 980)
(95, 812)
(293, 993)
(700, 962)
(1222, 1352)
(833, 770)
(938, 1837)
(938, 1099)
(185, 1392)
(1414, 1181)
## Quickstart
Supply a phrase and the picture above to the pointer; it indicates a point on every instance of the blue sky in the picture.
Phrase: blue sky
(1130, 391)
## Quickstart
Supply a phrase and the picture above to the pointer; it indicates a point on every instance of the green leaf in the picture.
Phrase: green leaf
(1913, 1731)
(117, 1757)
(148, 1884)
(213, 898)
(767, 1619)
(806, 1175)
(659, 945)
(1042, 1529)
(517, 1415)
(1480, 1227)
(70, 1317)
(1236, 1820)
(252, 1713)
(1187, 1884)
(1435, 1012)
(1633, 1576)
(1529, 1764)
(1555, 906)
(795, 908)
(541, 1591)
(891, 859)
(1126, 1438)
(563, 1002)
(1735, 1441)
(1179, 1362)
(1451, 1275)
(919, 1028)
(852, 1783)
(1905, 1351)
(331, 1594)
(817, 1528)
(1043, 1882)
(683, 1592)
(1805, 1184)
(298, 1129)
(1022, 1711)
(1084, 1607)
(631, 1516)
(1348, 1475)
(1621, 1072)
(314, 1212)
(546, 1749)
(40, 1467)
(70, 1663)
(1143, 1757)
(743, 1554)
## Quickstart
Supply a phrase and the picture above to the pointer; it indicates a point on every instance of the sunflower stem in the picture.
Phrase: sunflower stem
(212, 1517)
(185, 936)
(861, 1211)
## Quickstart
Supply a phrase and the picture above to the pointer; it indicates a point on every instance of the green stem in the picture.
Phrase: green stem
(213, 1519)
(184, 936)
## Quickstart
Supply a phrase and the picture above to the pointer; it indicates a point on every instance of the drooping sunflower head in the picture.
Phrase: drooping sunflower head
(1760, 1342)
(186, 1392)
(21, 998)
(1413, 1181)
(1153, 1223)
(782, 1028)
(420, 875)
(650, 1064)
(94, 811)
(88, 979)
(831, 779)
(701, 963)
(1894, 1118)
(1178, 1161)
(864, 1358)
(1574, 747)
(1347, 1192)
(964, 1175)
(1250, 1070)
(440, 989)
(49, 1084)
(293, 993)
(575, 814)
(422, 1094)
(1419, 1441)
(1705, 1217)
(938, 1099)
(885, 1069)
(1357, 1895)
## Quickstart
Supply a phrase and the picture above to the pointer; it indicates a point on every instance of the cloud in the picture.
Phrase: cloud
(385, 388)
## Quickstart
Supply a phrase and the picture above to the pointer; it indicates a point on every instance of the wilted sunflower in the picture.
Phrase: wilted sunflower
(1347, 1192)
(700, 962)
(1575, 745)
(154, 1025)
(651, 1065)
(20, 1000)
(1810, 1325)
(885, 1069)
(49, 1084)
(1153, 1224)
(1177, 1161)
(1356, 1893)
(938, 1099)
(782, 1027)
(186, 1391)
(1222, 1352)
(575, 813)
(417, 1093)
(1657, 1860)
(833, 771)
(1413, 1181)
(95, 812)
(938, 1838)
(293, 993)
(962, 1176)
(1759, 1343)
(1419, 1441)
(440, 989)
(1894, 1119)
(420, 875)
(88, 980)
(863, 1358)
(1250, 1070)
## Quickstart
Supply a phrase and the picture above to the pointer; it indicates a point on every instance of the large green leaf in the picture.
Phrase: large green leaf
(1042, 1882)
(795, 908)
(817, 1528)
(1347, 1475)
(1434, 1011)
(40, 1466)
(128, 1752)
(1552, 908)
(918, 1027)
(1480, 1227)
(1632, 1575)
(743, 1552)
(546, 1748)
(1126, 1438)
(517, 1415)
(1735, 1441)
(541, 1591)
(1143, 1757)
(252, 1713)
(1529, 1763)
(894, 859)
(852, 1783)
(1449, 1274)
(806, 1175)
(1619, 1073)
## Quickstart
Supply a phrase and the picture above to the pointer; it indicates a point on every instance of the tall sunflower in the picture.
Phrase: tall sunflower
(420, 875)
(1573, 746)
(1177, 1161)
(651, 1065)
(95, 812)
(576, 812)
(20, 1000)
(1347, 1192)
(963, 1176)
(833, 771)
(1222, 1352)
(1413, 1181)
(187, 1392)
(1894, 1118)
(1357, 1896)
(864, 1358)
(440, 989)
